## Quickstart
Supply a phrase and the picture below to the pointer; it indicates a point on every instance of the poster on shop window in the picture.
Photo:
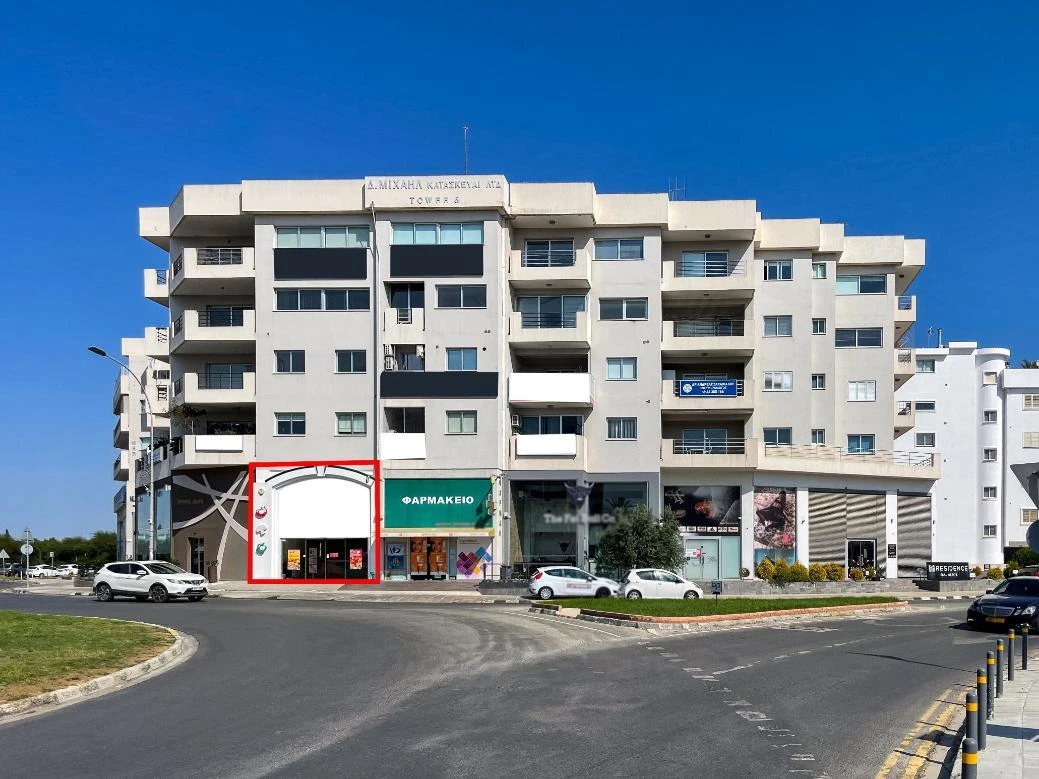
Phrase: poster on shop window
(418, 557)
(356, 559)
(293, 559)
(437, 558)
(775, 524)
(473, 556)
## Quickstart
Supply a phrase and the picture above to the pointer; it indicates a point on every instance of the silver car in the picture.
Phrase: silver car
(555, 581)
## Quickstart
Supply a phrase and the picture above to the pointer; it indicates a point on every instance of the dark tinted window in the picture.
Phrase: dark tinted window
(1026, 587)
(119, 568)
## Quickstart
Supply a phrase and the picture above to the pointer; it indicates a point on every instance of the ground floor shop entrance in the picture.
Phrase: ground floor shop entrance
(862, 553)
(324, 558)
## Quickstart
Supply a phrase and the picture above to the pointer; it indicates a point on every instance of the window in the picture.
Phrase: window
(621, 429)
(1028, 516)
(990, 493)
(351, 361)
(353, 237)
(621, 369)
(925, 366)
(406, 420)
(549, 254)
(776, 326)
(1030, 441)
(779, 270)
(852, 337)
(819, 436)
(462, 359)
(551, 424)
(859, 443)
(862, 391)
(430, 234)
(861, 285)
(461, 422)
(818, 381)
(925, 439)
(779, 381)
(990, 417)
(358, 299)
(818, 270)
(1031, 401)
(925, 405)
(778, 436)
(549, 311)
(461, 296)
(623, 308)
(289, 362)
(290, 424)
(351, 423)
(618, 249)
(703, 265)
(989, 377)
(989, 531)
(988, 455)
(818, 326)
(404, 297)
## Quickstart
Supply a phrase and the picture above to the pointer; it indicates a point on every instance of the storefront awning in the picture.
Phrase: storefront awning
(434, 532)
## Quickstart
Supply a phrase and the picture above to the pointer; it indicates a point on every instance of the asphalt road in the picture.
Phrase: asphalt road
(337, 689)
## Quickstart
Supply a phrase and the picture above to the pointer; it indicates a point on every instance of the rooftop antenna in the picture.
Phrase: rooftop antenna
(675, 188)
(930, 334)
(465, 136)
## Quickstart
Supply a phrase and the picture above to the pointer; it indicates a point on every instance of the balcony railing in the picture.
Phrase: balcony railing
(162, 334)
(233, 318)
(404, 316)
(709, 268)
(712, 388)
(178, 265)
(549, 321)
(922, 459)
(160, 277)
(905, 408)
(703, 328)
(162, 392)
(905, 355)
(905, 302)
(554, 257)
(728, 446)
(178, 385)
(178, 325)
(176, 445)
(221, 381)
(220, 256)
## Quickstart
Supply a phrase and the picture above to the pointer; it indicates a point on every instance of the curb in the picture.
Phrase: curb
(430, 598)
(184, 646)
(643, 622)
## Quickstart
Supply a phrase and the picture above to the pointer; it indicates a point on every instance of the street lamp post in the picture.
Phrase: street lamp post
(151, 458)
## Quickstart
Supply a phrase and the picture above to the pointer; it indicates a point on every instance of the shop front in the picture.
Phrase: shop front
(438, 529)
(709, 518)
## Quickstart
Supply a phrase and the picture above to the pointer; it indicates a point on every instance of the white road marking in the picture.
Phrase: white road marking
(754, 716)
(555, 621)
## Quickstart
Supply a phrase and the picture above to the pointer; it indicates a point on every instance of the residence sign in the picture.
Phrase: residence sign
(437, 503)
(421, 192)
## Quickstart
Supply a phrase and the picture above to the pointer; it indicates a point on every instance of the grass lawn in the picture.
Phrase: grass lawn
(42, 652)
(707, 605)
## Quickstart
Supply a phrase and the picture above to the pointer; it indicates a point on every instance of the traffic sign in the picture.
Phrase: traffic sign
(27, 549)
(4, 555)
(1033, 536)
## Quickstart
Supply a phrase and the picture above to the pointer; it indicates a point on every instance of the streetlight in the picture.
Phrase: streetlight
(151, 459)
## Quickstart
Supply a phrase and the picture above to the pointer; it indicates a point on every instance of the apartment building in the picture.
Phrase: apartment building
(433, 376)
(965, 401)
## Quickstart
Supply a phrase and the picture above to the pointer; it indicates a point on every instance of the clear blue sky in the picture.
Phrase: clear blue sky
(904, 118)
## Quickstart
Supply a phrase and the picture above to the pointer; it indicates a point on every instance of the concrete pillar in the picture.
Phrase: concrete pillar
(891, 523)
(802, 525)
(747, 527)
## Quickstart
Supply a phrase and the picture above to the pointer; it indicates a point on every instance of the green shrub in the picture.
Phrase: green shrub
(977, 571)
(1024, 556)
(782, 568)
(816, 572)
(799, 572)
(834, 572)
(995, 572)
(765, 570)
(856, 574)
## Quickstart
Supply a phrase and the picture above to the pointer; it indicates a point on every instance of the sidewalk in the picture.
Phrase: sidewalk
(1012, 748)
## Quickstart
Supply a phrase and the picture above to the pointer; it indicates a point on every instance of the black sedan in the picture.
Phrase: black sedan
(1011, 603)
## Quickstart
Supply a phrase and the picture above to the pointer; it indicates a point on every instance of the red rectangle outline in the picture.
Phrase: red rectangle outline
(376, 467)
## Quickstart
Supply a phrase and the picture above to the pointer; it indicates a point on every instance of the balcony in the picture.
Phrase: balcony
(121, 431)
(221, 270)
(120, 390)
(548, 452)
(718, 337)
(549, 331)
(905, 312)
(157, 342)
(200, 389)
(730, 396)
(710, 278)
(156, 287)
(119, 499)
(402, 446)
(404, 326)
(575, 390)
(208, 451)
(905, 365)
(733, 453)
(841, 462)
(905, 417)
(121, 466)
(545, 268)
(205, 332)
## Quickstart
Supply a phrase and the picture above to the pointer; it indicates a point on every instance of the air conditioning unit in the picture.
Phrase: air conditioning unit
(387, 350)
(420, 352)
(388, 363)
(515, 421)
(490, 506)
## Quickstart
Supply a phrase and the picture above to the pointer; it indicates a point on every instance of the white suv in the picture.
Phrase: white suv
(153, 579)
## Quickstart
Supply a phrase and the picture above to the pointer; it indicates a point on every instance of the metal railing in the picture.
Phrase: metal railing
(552, 257)
(162, 334)
(219, 256)
(223, 318)
(905, 302)
(548, 321)
(178, 385)
(221, 381)
(679, 382)
(176, 445)
(178, 265)
(710, 268)
(115, 465)
(178, 325)
(905, 408)
(119, 499)
(162, 392)
(404, 316)
(728, 446)
(701, 328)
(160, 277)
(818, 452)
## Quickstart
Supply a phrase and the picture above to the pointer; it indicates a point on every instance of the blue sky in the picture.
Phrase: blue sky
(904, 118)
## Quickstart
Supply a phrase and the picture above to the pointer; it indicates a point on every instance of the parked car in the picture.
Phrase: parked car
(68, 570)
(43, 572)
(14, 569)
(657, 583)
(1011, 603)
(1028, 570)
(565, 580)
(155, 579)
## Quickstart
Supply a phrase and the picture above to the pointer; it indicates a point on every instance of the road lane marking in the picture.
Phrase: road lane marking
(923, 752)
(902, 749)
(568, 623)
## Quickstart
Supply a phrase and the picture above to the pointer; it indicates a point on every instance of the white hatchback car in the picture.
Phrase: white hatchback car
(564, 580)
(657, 583)
(153, 579)
(43, 572)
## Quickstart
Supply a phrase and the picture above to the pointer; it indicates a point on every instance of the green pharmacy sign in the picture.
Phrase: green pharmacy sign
(437, 503)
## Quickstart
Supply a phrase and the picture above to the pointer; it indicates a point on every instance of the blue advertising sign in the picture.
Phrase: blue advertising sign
(698, 388)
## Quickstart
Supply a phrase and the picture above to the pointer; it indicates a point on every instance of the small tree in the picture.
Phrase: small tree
(638, 539)
(1030, 363)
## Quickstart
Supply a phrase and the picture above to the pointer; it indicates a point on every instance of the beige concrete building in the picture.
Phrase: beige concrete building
(525, 361)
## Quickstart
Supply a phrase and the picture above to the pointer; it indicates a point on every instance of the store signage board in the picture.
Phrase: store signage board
(948, 571)
(420, 192)
(695, 388)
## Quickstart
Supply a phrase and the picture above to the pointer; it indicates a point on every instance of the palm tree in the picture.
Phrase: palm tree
(1030, 363)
